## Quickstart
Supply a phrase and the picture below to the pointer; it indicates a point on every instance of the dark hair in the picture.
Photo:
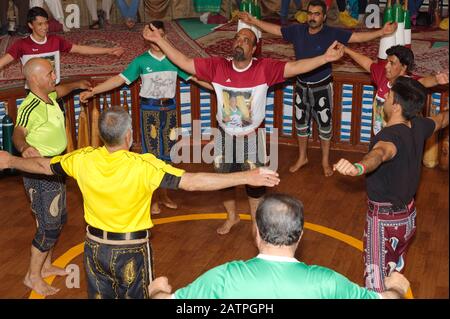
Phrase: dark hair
(279, 218)
(318, 3)
(35, 12)
(113, 124)
(158, 25)
(404, 55)
(410, 94)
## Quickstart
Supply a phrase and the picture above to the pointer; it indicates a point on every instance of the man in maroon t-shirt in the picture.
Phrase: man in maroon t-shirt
(400, 61)
(40, 44)
(246, 80)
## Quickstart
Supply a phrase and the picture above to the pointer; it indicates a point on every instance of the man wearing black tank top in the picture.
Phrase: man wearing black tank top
(393, 167)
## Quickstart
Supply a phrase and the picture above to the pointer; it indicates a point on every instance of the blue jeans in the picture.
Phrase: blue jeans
(285, 7)
(128, 11)
(117, 271)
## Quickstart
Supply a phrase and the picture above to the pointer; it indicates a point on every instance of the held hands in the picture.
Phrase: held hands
(262, 177)
(334, 52)
(117, 51)
(151, 33)
(5, 159)
(442, 77)
(345, 168)
(397, 282)
(247, 18)
(84, 85)
(389, 28)
(86, 95)
(160, 284)
(30, 151)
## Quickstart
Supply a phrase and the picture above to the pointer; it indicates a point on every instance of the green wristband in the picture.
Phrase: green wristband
(360, 168)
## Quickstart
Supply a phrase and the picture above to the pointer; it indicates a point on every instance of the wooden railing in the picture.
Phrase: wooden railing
(346, 134)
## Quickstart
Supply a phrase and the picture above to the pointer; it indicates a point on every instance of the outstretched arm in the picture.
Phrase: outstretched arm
(214, 181)
(65, 88)
(334, 52)
(20, 143)
(387, 29)
(204, 84)
(88, 50)
(440, 78)
(152, 34)
(5, 60)
(160, 288)
(264, 26)
(396, 286)
(440, 120)
(36, 165)
(362, 60)
(381, 152)
(106, 86)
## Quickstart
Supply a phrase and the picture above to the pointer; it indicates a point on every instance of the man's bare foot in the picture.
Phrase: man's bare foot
(154, 210)
(53, 271)
(327, 170)
(226, 227)
(39, 286)
(169, 203)
(299, 164)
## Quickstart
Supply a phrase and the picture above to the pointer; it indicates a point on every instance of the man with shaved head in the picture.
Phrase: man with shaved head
(40, 132)
(247, 79)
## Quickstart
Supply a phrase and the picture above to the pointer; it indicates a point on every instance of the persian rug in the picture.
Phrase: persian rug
(116, 35)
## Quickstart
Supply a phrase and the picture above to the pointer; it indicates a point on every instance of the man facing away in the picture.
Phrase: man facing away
(117, 187)
(275, 272)
(314, 90)
(392, 168)
(250, 78)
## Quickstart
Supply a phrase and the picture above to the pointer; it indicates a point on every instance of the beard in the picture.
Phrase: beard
(238, 54)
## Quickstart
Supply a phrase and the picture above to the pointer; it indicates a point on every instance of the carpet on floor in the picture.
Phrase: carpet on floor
(116, 35)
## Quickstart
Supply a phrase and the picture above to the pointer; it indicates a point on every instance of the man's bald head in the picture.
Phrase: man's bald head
(35, 66)
(39, 73)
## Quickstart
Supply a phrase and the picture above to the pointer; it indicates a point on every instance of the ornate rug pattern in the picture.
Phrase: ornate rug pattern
(118, 35)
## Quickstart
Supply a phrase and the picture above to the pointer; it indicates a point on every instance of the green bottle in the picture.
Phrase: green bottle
(7, 131)
(244, 6)
(399, 16)
(257, 10)
(388, 13)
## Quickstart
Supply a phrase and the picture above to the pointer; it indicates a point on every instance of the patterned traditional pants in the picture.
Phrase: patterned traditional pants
(158, 126)
(387, 235)
(118, 271)
(316, 102)
(48, 202)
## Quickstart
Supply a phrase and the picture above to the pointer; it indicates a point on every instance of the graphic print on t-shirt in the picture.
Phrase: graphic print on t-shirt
(236, 109)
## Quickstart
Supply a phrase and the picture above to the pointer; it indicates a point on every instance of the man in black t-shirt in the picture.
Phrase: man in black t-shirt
(393, 167)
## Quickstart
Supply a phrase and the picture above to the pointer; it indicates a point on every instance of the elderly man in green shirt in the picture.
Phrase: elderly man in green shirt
(275, 272)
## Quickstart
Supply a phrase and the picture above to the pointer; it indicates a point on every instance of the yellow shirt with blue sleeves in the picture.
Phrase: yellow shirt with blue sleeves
(45, 124)
(117, 187)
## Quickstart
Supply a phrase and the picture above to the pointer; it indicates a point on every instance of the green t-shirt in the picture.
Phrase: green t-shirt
(272, 277)
(45, 124)
(158, 75)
